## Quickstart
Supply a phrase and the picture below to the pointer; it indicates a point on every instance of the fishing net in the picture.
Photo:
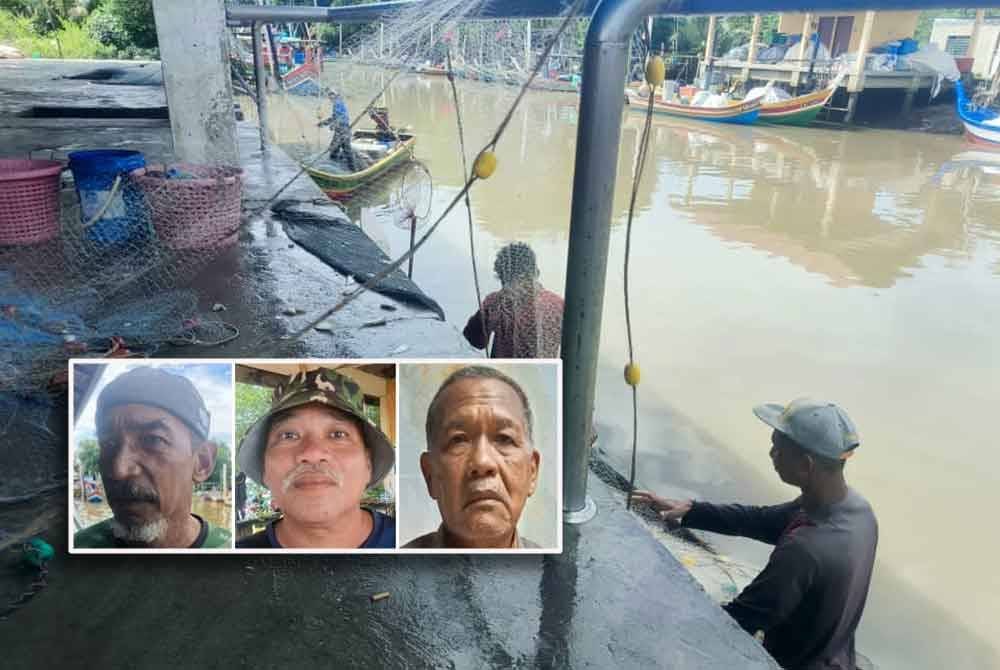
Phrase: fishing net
(116, 280)
(442, 84)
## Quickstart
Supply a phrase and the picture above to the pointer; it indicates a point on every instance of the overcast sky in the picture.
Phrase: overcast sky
(213, 381)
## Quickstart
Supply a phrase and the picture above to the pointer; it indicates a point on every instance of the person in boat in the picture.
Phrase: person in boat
(317, 453)
(152, 432)
(809, 598)
(339, 122)
(481, 465)
(524, 318)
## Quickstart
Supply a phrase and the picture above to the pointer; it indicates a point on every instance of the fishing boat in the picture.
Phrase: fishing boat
(340, 183)
(435, 70)
(744, 112)
(982, 124)
(800, 110)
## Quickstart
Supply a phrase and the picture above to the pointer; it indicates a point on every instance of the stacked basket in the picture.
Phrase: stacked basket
(29, 201)
(192, 206)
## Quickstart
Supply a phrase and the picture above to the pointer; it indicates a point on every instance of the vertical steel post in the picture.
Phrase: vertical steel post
(259, 75)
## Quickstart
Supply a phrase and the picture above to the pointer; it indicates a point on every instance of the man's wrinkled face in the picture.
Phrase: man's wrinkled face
(315, 463)
(481, 465)
(148, 465)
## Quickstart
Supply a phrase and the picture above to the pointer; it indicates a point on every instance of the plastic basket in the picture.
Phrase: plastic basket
(94, 173)
(192, 206)
(29, 201)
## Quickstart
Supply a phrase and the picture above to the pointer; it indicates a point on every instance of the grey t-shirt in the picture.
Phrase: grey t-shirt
(809, 598)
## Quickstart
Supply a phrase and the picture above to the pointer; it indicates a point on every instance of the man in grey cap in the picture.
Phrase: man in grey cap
(809, 598)
(153, 428)
(318, 453)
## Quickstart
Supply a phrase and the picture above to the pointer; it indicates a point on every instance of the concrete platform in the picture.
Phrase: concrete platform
(266, 273)
(615, 598)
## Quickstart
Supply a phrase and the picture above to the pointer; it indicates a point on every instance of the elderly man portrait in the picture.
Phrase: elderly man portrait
(481, 465)
(317, 453)
(152, 431)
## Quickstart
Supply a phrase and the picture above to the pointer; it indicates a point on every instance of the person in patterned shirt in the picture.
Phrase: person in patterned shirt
(524, 318)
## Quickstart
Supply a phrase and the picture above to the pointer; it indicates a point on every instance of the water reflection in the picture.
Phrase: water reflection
(852, 207)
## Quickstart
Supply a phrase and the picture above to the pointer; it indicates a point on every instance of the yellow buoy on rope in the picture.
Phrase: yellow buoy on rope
(632, 374)
(656, 71)
(486, 164)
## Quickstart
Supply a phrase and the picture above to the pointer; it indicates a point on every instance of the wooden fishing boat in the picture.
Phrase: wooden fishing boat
(982, 125)
(743, 113)
(800, 110)
(340, 184)
(434, 70)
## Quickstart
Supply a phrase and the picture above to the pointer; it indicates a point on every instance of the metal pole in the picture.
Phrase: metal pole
(258, 71)
(527, 47)
(413, 237)
(340, 38)
(605, 61)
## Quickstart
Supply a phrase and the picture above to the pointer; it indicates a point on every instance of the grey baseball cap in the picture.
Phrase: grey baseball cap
(326, 387)
(817, 426)
(157, 388)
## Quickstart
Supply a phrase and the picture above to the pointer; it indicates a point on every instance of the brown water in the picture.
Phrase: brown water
(215, 512)
(767, 263)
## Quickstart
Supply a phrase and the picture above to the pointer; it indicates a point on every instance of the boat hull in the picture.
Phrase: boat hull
(743, 113)
(973, 119)
(343, 186)
(801, 110)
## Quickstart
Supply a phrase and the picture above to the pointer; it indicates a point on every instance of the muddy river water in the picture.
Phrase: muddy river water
(860, 266)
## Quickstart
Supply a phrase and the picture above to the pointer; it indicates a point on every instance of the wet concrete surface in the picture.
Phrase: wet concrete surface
(266, 274)
(614, 598)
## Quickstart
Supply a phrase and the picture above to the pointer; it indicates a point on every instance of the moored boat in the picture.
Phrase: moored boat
(982, 124)
(800, 110)
(743, 112)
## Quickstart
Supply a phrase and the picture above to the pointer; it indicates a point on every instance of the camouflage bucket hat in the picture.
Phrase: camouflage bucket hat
(329, 388)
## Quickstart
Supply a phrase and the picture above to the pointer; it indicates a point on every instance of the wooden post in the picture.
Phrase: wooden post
(857, 82)
(977, 28)
(803, 43)
(709, 50)
(527, 47)
(752, 54)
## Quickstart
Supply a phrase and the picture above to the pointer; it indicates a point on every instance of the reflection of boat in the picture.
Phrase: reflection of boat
(340, 184)
(738, 112)
(982, 125)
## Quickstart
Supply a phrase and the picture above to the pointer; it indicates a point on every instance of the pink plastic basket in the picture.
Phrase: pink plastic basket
(199, 210)
(29, 200)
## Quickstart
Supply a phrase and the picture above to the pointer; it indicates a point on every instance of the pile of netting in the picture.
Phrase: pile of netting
(110, 277)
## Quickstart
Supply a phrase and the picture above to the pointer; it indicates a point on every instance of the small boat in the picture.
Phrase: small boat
(800, 110)
(743, 113)
(982, 124)
(340, 184)
(435, 70)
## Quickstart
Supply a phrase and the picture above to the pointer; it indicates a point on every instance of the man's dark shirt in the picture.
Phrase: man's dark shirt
(809, 598)
(383, 535)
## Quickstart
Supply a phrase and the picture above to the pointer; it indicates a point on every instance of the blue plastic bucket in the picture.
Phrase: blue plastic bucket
(94, 173)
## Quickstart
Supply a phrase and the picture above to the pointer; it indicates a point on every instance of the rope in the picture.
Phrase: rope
(472, 179)
(468, 207)
(640, 165)
(107, 203)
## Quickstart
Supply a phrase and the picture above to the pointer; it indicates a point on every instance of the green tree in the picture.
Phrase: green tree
(88, 453)
(136, 18)
(252, 402)
(223, 458)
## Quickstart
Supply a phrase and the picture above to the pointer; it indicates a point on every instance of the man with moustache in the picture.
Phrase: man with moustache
(153, 428)
(318, 453)
(480, 465)
(809, 598)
